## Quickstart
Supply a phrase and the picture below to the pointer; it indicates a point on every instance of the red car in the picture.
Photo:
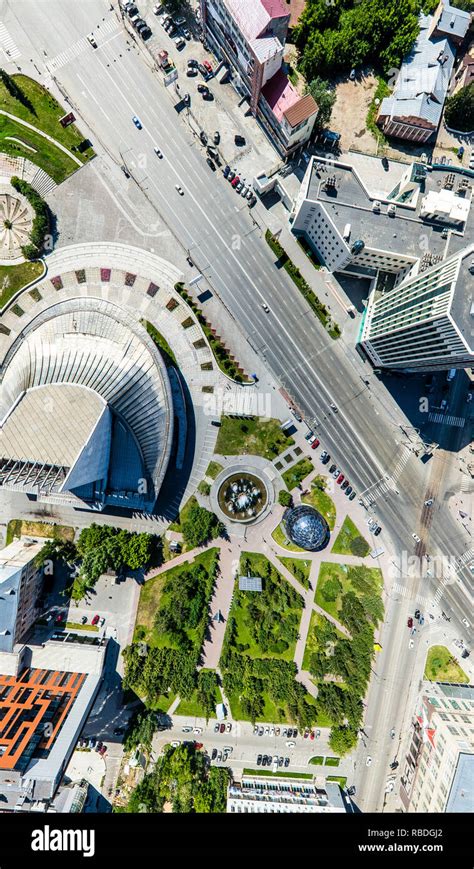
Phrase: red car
(410, 622)
(315, 444)
(207, 65)
(95, 620)
(235, 181)
(311, 735)
(340, 479)
(222, 728)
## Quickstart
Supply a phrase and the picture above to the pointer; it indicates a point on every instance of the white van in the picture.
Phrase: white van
(451, 374)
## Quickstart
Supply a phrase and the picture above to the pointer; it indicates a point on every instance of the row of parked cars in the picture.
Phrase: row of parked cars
(138, 23)
(221, 756)
(240, 186)
(223, 728)
(266, 760)
(341, 480)
(92, 743)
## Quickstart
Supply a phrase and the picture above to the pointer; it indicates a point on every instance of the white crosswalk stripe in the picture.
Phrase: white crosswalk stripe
(65, 57)
(7, 43)
(442, 419)
(399, 589)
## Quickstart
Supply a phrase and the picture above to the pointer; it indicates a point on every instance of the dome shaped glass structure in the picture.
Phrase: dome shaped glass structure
(306, 527)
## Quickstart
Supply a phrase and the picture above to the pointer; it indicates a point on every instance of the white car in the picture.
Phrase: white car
(416, 538)
(197, 730)
(101, 622)
(92, 40)
(368, 761)
(389, 787)
(465, 622)
(180, 42)
(272, 731)
(411, 644)
(179, 189)
(265, 307)
(290, 744)
(157, 8)
(176, 743)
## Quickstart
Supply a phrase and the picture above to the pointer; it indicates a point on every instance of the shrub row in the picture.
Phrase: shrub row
(41, 220)
(224, 361)
(315, 304)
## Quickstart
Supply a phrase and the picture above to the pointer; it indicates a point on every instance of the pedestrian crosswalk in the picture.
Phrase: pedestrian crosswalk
(7, 43)
(442, 419)
(108, 29)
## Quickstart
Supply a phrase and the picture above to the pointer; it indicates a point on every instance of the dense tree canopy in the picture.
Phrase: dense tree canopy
(325, 98)
(334, 37)
(200, 526)
(459, 111)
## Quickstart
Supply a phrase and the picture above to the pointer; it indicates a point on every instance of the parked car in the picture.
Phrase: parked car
(190, 72)
(92, 40)
(101, 622)
(208, 95)
(348, 490)
(332, 469)
(239, 186)
(193, 63)
(216, 728)
(179, 189)
(252, 200)
(203, 88)
(336, 473)
(216, 137)
(368, 761)
(317, 734)
(259, 760)
(315, 444)
(180, 43)
(377, 530)
(416, 538)
(228, 726)
(59, 618)
(83, 620)
(340, 479)
(203, 137)
(211, 164)
(207, 65)
(222, 728)
(287, 761)
(214, 754)
(281, 761)
(145, 33)
(352, 495)
(99, 745)
(409, 622)
(290, 744)
(95, 620)
(231, 175)
(226, 171)
(345, 484)
(235, 181)
(186, 33)
(219, 756)
(187, 100)
(244, 191)
(239, 140)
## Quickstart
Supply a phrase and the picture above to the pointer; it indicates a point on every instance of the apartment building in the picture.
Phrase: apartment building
(256, 794)
(250, 36)
(20, 587)
(439, 766)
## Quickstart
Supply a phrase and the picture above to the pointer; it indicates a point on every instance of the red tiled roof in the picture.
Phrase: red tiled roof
(300, 111)
(275, 8)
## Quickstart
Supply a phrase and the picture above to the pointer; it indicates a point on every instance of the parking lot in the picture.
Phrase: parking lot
(220, 112)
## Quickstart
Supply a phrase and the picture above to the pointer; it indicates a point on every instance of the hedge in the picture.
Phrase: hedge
(317, 306)
(41, 220)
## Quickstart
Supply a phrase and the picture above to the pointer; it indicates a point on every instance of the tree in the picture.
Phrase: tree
(199, 526)
(331, 589)
(284, 498)
(359, 546)
(459, 111)
(15, 91)
(325, 99)
(342, 739)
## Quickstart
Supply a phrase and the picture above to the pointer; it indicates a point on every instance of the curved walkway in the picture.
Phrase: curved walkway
(45, 136)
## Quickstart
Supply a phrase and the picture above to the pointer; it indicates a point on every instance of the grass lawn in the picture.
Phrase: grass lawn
(35, 148)
(329, 571)
(44, 114)
(13, 278)
(240, 609)
(17, 527)
(312, 645)
(299, 567)
(176, 525)
(151, 598)
(323, 504)
(345, 539)
(340, 779)
(213, 469)
(279, 774)
(441, 666)
(280, 538)
(318, 760)
(332, 761)
(295, 475)
(193, 708)
(74, 626)
(255, 437)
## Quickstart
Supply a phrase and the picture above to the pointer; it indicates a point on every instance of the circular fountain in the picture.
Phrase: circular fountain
(242, 496)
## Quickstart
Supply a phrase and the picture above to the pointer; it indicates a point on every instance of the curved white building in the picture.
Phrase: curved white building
(86, 407)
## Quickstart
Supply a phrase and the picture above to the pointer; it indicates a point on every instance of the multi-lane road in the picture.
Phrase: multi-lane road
(109, 85)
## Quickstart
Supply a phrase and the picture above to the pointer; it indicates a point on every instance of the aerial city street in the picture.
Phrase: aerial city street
(236, 407)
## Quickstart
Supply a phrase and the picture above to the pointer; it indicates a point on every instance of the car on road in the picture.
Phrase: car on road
(368, 761)
(179, 189)
(351, 791)
(95, 620)
(411, 644)
(211, 164)
(340, 479)
(315, 444)
(91, 39)
(158, 152)
(416, 538)
(214, 754)
(222, 728)
(137, 122)
(466, 623)
(290, 744)
(259, 760)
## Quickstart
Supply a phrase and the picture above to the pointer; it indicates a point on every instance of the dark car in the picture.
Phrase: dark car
(326, 459)
(348, 490)
(252, 200)
(222, 728)
(226, 171)
(410, 622)
(203, 137)
(193, 63)
(118, 731)
(394, 764)
(208, 96)
(385, 164)
(59, 618)
(259, 760)
(83, 620)
(202, 88)
(239, 140)
(99, 745)
(125, 171)
(211, 164)
(345, 484)
(417, 614)
(465, 653)
(231, 175)
(377, 531)
(287, 761)
(214, 754)
(352, 495)
(216, 137)
(332, 468)
(191, 71)
(145, 33)
(187, 100)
